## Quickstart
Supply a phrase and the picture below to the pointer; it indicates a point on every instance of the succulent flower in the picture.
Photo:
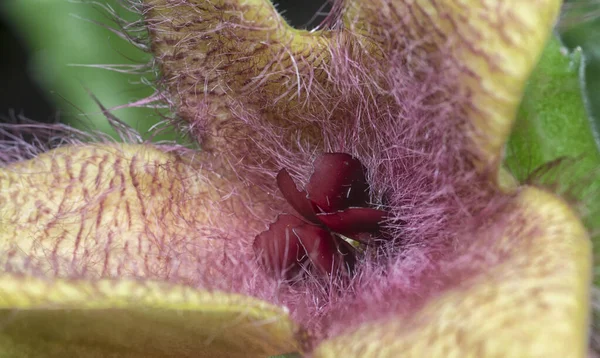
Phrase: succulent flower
(149, 250)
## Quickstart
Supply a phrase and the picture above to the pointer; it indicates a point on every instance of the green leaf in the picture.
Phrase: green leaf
(554, 122)
(580, 27)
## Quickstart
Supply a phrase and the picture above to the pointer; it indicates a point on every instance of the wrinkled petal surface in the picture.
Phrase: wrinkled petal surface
(61, 318)
(533, 303)
(496, 44)
(222, 60)
(118, 211)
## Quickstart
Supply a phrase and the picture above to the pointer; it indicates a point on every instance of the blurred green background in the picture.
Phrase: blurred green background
(56, 37)
(42, 40)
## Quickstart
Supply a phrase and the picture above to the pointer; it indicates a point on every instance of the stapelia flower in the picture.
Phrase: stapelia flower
(147, 250)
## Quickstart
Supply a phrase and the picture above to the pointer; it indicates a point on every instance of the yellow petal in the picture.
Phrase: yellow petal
(226, 59)
(117, 211)
(133, 319)
(495, 43)
(533, 303)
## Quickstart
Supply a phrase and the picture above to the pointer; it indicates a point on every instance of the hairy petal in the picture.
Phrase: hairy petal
(122, 211)
(224, 62)
(494, 45)
(136, 319)
(532, 303)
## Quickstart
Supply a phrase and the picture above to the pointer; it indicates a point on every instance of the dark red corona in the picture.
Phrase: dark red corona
(334, 204)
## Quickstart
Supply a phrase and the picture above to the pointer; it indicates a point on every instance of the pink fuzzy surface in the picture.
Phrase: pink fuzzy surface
(403, 119)
(402, 115)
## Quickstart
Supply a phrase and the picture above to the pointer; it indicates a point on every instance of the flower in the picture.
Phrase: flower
(147, 250)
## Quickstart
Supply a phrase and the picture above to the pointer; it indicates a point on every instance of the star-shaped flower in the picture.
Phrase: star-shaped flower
(147, 250)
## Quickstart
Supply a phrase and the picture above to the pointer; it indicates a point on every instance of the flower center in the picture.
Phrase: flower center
(334, 220)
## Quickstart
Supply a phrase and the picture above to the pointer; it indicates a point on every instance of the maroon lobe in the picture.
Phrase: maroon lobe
(297, 198)
(323, 250)
(278, 248)
(353, 221)
(338, 182)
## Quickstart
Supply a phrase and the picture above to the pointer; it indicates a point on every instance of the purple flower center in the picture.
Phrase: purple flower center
(333, 210)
